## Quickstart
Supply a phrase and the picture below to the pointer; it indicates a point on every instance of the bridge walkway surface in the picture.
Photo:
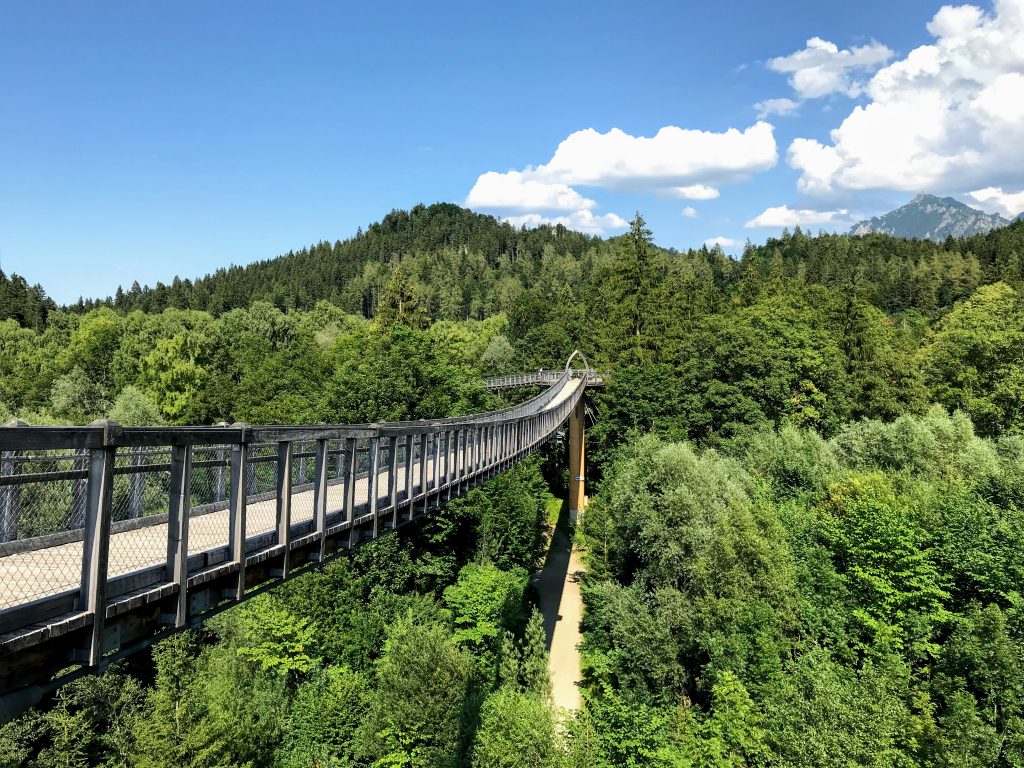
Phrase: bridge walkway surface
(112, 537)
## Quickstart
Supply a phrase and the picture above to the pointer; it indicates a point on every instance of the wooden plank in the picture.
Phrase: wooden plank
(96, 548)
(423, 470)
(24, 438)
(320, 493)
(177, 527)
(393, 480)
(409, 451)
(372, 481)
(437, 466)
(163, 436)
(284, 499)
(236, 520)
(351, 470)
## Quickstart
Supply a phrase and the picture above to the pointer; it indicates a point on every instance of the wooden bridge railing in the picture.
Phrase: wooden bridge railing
(539, 378)
(111, 537)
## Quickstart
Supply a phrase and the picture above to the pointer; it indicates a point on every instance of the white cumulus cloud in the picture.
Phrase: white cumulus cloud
(1009, 204)
(581, 221)
(784, 216)
(689, 212)
(513, 191)
(725, 242)
(822, 68)
(947, 117)
(675, 162)
(673, 157)
(780, 107)
(693, 192)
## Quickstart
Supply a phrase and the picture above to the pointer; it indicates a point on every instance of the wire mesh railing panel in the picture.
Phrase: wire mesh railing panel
(303, 471)
(140, 483)
(210, 488)
(335, 481)
(261, 489)
(43, 495)
(141, 489)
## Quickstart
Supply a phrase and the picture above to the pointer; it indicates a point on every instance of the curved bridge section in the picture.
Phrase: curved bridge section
(539, 378)
(112, 537)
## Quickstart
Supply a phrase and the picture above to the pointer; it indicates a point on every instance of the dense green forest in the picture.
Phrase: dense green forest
(804, 547)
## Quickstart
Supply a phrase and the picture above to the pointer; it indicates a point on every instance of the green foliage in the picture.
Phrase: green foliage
(838, 583)
(325, 713)
(133, 408)
(734, 735)
(485, 602)
(76, 398)
(28, 305)
(422, 692)
(511, 515)
(975, 360)
(700, 555)
(517, 730)
(771, 362)
(396, 374)
(810, 602)
(279, 641)
(878, 548)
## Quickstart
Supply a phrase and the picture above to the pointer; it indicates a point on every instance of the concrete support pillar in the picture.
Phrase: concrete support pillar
(577, 491)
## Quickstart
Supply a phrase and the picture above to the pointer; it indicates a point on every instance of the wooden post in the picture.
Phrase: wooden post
(477, 450)
(177, 527)
(236, 518)
(448, 464)
(372, 482)
(96, 544)
(423, 469)
(577, 491)
(393, 480)
(351, 475)
(320, 496)
(464, 457)
(410, 447)
(460, 439)
(437, 466)
(442, 460)
(284, 502)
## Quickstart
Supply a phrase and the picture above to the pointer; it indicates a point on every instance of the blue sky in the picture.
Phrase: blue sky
(140, 142)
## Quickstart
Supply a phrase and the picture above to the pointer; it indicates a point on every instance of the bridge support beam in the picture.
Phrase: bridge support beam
(577, 465)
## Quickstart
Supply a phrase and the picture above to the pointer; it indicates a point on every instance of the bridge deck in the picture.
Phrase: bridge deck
(111, 537)
(59, 567)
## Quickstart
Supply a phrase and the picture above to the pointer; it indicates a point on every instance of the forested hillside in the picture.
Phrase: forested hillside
(803, 549)
(27, 304)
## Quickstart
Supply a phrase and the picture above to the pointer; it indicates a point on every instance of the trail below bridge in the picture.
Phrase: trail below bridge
(561, 604)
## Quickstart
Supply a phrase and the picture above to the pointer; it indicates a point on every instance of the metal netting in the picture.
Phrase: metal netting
(303, 472)
(210, 489)
(42, 510)
(335, 481)
(41, 493)
(261, 489)
(383, 473)
(140, 490)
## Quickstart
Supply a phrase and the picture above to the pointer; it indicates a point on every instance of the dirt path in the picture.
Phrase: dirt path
(562, 607)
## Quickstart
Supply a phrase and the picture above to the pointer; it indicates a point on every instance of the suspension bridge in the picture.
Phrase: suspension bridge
(112, 537)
